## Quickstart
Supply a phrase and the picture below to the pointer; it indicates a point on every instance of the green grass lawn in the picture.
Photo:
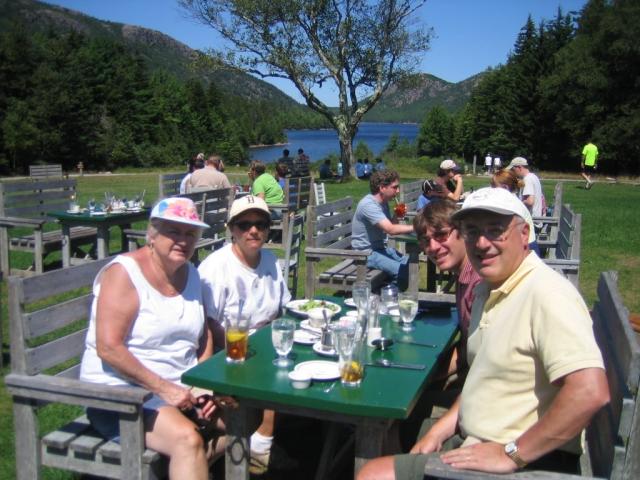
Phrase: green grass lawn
(610, 241)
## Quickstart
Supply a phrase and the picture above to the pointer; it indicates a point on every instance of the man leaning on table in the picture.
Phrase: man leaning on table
(536, 376)
(373, 222)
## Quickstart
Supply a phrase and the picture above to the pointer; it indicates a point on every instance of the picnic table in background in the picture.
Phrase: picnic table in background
(385, 395)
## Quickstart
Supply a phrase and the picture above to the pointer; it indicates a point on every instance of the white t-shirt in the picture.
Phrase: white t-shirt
(165, 335)
(497, 162)
(225, 280)
(532, 187)
(184, 183)
(487, 160)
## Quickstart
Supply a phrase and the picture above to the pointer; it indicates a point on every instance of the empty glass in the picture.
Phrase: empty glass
(361, 291)
(350, 351)
(408, 304)
(282, 330)
(389, 297)
(374, 330)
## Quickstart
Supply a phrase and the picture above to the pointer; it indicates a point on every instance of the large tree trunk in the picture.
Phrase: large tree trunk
(345, 136)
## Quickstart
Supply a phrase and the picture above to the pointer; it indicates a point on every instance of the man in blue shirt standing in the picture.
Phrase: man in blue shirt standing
(373, 222)
(360, 169)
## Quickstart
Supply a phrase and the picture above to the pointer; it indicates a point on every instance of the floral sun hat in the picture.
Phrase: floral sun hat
(177, 209)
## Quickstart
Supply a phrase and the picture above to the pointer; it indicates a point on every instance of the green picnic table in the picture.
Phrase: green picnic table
(385, 395)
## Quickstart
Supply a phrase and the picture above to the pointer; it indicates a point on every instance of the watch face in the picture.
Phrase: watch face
(510, 448)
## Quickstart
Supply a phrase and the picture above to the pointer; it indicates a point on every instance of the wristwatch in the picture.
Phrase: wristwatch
(511, 449)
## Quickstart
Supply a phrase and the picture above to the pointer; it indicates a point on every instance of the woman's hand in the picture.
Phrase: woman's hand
(206, 406)
(177, 396)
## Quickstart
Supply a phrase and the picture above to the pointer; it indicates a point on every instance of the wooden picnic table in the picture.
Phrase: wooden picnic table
(385, 395)
(101, 222)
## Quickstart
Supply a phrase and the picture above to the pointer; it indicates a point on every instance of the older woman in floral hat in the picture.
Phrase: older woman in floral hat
(147, 327)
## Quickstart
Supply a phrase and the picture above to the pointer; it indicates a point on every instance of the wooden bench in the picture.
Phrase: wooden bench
(25, 204)
(409, 194)
(51, 338)
(549, 233)
(564, 255)
(613, 436)
(169, 184)
(45, 171)
(297, 195)
(329, 237)
(213, 207)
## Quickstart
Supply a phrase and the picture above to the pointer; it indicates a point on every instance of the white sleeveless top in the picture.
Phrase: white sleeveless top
(165, 335)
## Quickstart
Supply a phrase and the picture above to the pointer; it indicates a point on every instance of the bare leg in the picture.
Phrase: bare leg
(175, 436)
(378, 469)
(267, 425)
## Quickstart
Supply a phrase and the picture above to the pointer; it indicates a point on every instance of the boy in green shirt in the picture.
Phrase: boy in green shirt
(265, 185)
(589, 163)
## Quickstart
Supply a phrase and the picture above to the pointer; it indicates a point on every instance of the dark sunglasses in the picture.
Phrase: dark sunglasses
(245, 225)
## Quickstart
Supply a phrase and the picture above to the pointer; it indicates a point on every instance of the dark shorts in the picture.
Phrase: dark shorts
(589, 169)
(106, 423)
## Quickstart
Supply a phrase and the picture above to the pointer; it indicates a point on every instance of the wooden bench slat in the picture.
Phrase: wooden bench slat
(61, 438)
(55, 352)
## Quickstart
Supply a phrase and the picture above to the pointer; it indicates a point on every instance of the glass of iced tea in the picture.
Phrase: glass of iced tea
(236, 326)
(400, 210)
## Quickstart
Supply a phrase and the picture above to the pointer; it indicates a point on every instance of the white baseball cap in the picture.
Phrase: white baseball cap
(518, 162)
(448, 165)
(178, 209)
(497, 200)
(248, 202)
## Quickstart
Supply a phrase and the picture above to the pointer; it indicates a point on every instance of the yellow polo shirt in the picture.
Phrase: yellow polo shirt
(532, 330)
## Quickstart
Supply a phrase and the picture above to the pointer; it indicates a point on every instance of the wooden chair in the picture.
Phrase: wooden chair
(564, 256)
(169, 184)
(25, 204)
(613, 436)
(297, 191)
(291, 262)
(46, 343)
(329, 239)
(319, 193)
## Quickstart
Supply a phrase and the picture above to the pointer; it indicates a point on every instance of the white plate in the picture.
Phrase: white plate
(74, 211)
(317, 347)
(304, 337)
(349, 302)
(295, 305)
(134, 210)
(307, 325)
(320, 369)
(99, 214)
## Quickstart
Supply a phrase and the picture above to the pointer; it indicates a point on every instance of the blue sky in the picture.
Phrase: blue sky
(470, 35)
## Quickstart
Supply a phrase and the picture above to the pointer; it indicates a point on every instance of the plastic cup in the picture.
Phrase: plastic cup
(236, 336)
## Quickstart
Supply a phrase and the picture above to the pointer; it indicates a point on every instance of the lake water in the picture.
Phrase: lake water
(320, 143)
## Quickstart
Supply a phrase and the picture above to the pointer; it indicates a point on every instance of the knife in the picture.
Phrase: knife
(409, 342)
(389, 364)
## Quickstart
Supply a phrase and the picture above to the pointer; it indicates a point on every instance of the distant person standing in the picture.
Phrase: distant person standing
(531, 194)
(589, 163)
(368, 168)
(360, 169)
(497, 164)
(488, 162)
(300, 165)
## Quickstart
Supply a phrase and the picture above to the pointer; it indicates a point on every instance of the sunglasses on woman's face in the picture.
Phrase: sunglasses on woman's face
(245, 225)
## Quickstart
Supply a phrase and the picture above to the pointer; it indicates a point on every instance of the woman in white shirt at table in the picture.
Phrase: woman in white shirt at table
(244, 272)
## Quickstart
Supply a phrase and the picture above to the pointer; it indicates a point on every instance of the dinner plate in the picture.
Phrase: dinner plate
(75, 212)
(349, 302)
(295, 306)
(304, 337)
(134, 210)
(317, 347)
(98, 214)
(319, 369)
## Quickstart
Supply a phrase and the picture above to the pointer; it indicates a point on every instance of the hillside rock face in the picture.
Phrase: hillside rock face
(155, 39)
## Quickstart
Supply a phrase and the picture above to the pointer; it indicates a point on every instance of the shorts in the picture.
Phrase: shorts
(589, 169)
(107, 424)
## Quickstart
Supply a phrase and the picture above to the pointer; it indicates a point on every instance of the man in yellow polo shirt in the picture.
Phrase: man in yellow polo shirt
(589, 163)
(536, 374)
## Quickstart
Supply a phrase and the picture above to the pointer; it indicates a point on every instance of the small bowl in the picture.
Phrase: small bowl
(299, 380)
(382, 343)
(317, 316)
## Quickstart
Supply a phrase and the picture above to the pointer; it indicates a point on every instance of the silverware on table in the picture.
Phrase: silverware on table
(383, 362)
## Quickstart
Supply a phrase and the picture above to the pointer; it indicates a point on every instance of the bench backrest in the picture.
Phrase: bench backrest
(169, 184)
(297, 192)
(320, 193)
(34, 198)
(557, 199)
(213, 208)
(409, 194)
(569, 230)
(48, 318)
(329, 225)
(45, 171)
(613, 437)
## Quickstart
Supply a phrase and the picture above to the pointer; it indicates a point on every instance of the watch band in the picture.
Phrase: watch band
(511, 449)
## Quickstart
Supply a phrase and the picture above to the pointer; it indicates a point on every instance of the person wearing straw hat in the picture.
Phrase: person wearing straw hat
(536, 374)
(243, 275)
(146, 328)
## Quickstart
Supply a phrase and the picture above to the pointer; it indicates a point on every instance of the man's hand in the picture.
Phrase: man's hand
(427, 444)
(484, 457)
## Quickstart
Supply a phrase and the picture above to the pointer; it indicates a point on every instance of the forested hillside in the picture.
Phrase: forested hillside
(567, 80)
(71, 92)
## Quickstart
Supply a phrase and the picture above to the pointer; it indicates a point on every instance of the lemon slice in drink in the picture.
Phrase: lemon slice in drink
(236, 336)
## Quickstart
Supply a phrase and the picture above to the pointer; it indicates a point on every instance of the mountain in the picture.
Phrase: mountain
(410, 101)
(157, 49)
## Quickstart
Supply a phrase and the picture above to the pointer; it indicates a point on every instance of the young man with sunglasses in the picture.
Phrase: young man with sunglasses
(373, 222)
(536, 375)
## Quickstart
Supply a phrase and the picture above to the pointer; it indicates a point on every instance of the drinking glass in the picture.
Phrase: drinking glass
(374, 330)
(92, 204)
(408, 304)
(400, 210)
(361, 291)
(282, 337)
(350, 350)
(389, 297)
(236, 325)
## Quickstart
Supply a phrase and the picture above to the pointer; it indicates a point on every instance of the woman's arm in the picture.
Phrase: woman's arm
(116, 313)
